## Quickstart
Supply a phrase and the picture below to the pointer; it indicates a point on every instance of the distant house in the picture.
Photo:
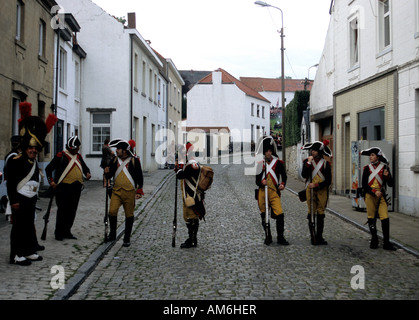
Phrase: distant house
(221, 109)
(271, 89)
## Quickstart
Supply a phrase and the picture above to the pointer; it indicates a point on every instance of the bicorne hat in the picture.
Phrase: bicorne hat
(121, 144)
(266, 143)
(319, 146)
(380, 154)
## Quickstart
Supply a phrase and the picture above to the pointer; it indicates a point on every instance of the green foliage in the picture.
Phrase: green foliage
(293, 117)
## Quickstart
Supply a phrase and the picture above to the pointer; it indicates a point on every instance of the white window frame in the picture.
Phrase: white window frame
(383, 33)
(63, 69)
(354, 41)
(19, 20)
(103, 136)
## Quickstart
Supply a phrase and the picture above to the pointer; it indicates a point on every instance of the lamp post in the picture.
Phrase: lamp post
(264, 4)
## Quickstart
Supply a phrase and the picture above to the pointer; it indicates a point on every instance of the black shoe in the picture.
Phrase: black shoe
(39, 248)
(59, 238)
(126, 244)
(389, 246)
(21, 261)
(282, 241)
(70, 236)
(34, 257)
(187, 244)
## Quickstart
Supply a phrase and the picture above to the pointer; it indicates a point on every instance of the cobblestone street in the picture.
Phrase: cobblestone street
(231, 262)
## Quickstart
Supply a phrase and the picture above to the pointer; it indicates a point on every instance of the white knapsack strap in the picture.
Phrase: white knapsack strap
(317, 167)
(26, 179)
(73, 160)
(374, 173)
(123, 167)
(269, 170)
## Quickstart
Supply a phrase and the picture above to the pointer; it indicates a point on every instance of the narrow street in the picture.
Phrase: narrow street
(232, 263)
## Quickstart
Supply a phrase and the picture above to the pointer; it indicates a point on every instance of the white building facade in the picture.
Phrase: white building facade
(119, 94)
(222, 110)
(367, 89)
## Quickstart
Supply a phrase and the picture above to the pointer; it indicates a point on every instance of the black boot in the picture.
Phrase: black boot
(267, 229)
(373, 230)
(128, 228)
(189, 242)
(320, 227)
(195, 227)
(385, 225)
(112, 225)
(280, 230)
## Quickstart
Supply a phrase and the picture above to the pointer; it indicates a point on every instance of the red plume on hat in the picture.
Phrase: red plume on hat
(51, 121)
(25, 109)
(132, 144)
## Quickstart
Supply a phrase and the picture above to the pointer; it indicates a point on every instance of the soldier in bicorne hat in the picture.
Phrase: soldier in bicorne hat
(375, 178)
(187, 170)
(126, 170)
(318, 174)
(275, 179)
(69, 168)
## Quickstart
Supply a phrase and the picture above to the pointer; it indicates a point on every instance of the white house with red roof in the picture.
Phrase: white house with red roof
(222, 110)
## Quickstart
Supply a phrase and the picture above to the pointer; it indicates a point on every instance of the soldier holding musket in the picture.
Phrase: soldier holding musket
(318, 174)
(273, 176)
(375, 178)
(187, 170)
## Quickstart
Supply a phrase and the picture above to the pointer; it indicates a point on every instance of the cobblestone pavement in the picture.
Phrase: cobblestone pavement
(232, 263)
(76, 257)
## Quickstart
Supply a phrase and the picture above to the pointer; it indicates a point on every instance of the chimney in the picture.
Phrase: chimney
(131, 20)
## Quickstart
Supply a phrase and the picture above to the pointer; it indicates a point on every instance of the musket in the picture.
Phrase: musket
(175, 209)
(106, 219)
(268, 237)
(46, 217)
(312, 222)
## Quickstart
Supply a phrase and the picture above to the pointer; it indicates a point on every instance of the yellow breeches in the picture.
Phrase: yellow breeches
(371, 202)
(319, 200)
(274, 201)
(123, 198)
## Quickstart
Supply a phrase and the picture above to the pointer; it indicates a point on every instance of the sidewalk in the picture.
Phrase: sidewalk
(404, 229)
(76, 257)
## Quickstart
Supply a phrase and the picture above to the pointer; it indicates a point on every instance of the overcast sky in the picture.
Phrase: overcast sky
(236, 35)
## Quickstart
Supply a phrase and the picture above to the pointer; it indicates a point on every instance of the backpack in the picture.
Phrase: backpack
(206, 177)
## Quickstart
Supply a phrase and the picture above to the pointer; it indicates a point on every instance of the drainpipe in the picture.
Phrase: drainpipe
(131, 102)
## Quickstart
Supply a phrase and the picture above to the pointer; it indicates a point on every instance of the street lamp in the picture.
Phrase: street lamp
(264, 4)
(307, 80)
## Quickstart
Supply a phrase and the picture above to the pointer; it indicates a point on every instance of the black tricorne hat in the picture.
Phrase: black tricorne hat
(267, 143)
(380, 154)
(322, 147)
(121, 144)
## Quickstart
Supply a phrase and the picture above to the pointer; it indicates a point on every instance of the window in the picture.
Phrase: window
(384, 24)
(258, 111)
(42, 35)
(63, 69)
(150, 84)
(143, 78)
(417, 19)
(101, 130)
(19, 20)
(371, 124)
(77, 80)
(354, 42)
(136, 72)
(252, 109)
